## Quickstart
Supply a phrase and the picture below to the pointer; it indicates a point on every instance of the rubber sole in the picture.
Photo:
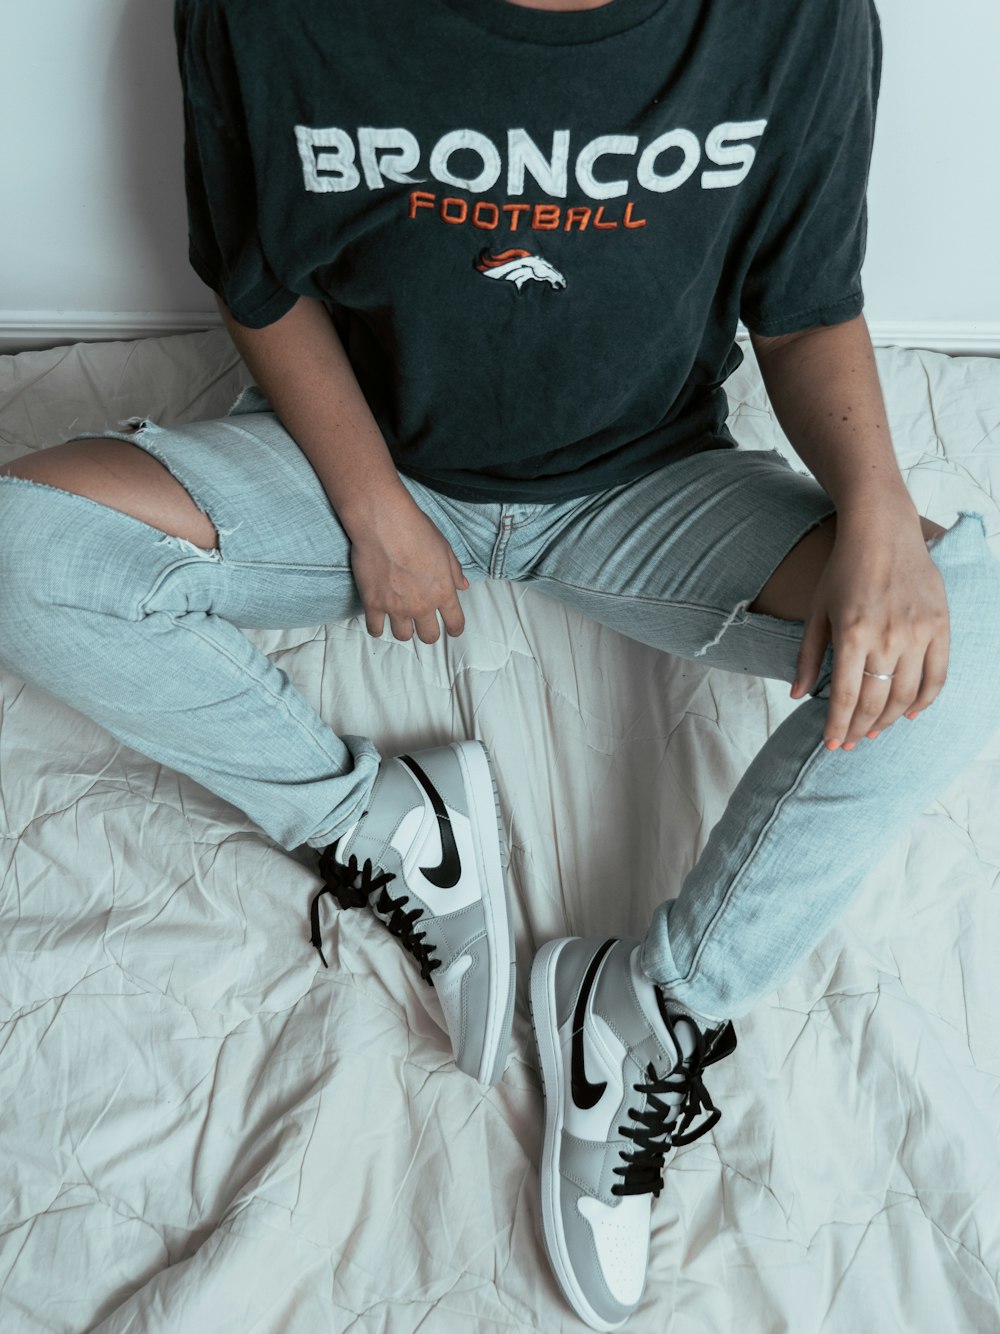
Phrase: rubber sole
(545, 1027)
(481, 789)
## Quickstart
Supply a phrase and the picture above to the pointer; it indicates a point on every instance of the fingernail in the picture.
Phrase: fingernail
(849, 745)
(832, 744)
(873, 735)
(912, 715)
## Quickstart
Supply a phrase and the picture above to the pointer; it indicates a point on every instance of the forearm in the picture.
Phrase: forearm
(825, 391)
(300, 364)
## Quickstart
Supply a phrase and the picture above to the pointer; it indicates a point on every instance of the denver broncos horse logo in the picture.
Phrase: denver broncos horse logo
(518, 267)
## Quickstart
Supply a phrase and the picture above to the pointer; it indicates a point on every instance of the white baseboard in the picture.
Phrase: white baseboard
(959, 338)
(26, 330)
(31, 330)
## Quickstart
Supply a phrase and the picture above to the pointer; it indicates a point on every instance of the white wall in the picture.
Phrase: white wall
(934, 195)
(92, 215)
(93, 239)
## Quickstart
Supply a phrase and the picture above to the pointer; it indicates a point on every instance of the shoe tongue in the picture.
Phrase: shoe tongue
(678, 1040)
(684, 1027)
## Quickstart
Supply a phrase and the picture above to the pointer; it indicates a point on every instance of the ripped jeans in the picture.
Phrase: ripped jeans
(141, 632)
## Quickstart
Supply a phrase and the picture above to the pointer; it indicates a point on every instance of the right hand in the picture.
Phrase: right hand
(405, 569)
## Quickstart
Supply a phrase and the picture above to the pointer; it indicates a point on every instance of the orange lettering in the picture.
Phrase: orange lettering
(627, 220)
(461, 204)
(578, 215)
(515, 210)
(477, 221)
(545, 217)
(486, 215)
(420, 199)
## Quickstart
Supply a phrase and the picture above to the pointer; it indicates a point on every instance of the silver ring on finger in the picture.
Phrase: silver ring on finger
(879, 676)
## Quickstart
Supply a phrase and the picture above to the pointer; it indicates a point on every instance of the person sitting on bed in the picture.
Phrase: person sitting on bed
(485, 261)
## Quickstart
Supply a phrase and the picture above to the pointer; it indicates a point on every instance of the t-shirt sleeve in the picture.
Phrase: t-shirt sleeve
(224, 244)
(806, 268)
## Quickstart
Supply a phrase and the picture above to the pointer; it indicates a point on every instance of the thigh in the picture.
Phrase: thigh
(675, 558)
(283, 556)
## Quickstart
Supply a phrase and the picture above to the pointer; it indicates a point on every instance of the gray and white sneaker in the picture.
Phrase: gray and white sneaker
(428, 858)
(621, 1077)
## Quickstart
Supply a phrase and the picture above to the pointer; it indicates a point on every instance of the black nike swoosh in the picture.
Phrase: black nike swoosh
(448, 873)
(585, 1094)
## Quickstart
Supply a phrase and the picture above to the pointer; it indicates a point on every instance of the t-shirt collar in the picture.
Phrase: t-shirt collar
(556, 27)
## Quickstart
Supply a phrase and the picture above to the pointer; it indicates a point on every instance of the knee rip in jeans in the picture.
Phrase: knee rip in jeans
(742, 609)
(821, 688)
(140, 426)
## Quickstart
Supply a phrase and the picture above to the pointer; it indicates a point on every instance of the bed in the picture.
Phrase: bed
(204, 1130)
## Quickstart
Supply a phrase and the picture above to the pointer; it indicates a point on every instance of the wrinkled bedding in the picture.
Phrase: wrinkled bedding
(205, 1131)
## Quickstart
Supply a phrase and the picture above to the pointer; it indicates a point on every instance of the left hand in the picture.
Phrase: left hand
(882, 601)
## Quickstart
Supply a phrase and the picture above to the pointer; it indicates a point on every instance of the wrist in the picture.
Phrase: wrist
(377, 508)
(885, 504)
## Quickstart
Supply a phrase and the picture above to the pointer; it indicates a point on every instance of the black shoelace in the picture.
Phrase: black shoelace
(659, 1125)
(340, 882)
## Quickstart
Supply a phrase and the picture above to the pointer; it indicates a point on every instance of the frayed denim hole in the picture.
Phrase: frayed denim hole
(182, 544)
(140, 427)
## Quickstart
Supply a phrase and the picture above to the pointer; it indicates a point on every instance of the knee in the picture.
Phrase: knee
(971, 572)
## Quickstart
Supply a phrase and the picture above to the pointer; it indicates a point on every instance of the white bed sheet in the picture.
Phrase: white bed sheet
(204, 1130)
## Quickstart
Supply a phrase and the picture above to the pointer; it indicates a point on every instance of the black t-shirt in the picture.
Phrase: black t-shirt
(534, 230)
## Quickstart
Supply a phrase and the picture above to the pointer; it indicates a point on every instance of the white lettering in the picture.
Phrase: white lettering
(741, 155)
(606, 143)
(338, 167)
(691, 150)
(523, 152)
(379, 166)
(451, 143)
(388, 154)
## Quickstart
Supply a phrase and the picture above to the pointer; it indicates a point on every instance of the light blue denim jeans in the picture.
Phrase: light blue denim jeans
(141, 631)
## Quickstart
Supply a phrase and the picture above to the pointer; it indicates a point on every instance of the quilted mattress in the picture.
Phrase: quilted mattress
(204, 1131)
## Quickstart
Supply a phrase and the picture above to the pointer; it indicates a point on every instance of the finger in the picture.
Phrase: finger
(402, 626)
(845, 686)
(453, 617)
(374, 622)
(456, 569)
(903, 691)
(872, 696)
(935, 672)
(427, 628)
(815, 637)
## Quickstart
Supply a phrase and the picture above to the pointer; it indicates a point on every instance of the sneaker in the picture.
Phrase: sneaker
(621, 1077)
(428, 858)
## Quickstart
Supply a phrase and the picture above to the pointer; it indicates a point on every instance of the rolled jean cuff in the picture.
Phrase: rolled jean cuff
(662, 970)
